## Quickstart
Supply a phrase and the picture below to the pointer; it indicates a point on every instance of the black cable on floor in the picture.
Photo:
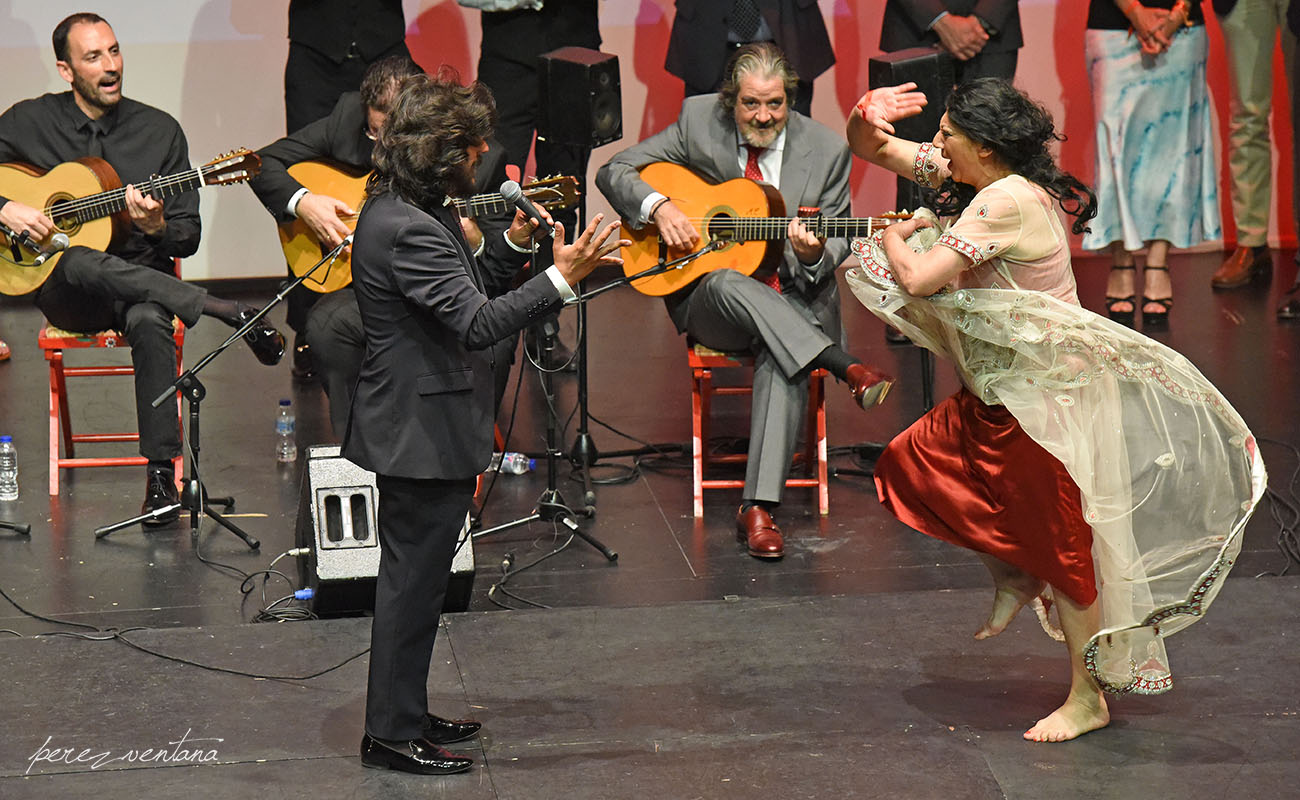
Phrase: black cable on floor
(1284, 507)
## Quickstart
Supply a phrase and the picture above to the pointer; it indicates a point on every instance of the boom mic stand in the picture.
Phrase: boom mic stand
(584, 453)
(551, 505)
(194, 497)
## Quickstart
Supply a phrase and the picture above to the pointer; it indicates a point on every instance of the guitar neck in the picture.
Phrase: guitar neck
(482, 205)
(96, 206)
(774, 228)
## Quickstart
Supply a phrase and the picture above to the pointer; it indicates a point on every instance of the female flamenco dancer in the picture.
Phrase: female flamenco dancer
(1093, 470)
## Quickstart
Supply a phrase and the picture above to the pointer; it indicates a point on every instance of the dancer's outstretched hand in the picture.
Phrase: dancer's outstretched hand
(882, 107)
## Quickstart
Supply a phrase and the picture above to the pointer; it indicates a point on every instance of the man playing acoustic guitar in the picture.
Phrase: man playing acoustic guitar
(130, 288)
(792, 325)
(331, 321)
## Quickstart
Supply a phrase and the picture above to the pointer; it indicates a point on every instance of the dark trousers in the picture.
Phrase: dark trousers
(313, 82)
(420, 523)
(90, 291)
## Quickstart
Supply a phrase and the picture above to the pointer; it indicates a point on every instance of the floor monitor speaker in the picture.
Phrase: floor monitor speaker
(337, 522)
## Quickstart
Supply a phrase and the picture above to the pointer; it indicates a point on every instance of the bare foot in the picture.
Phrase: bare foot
(1073, 719)
(1008, 598)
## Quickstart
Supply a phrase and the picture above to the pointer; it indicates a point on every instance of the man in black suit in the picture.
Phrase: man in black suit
(706, 32)
(331, 43)
(983, 36)
(332, 323)
(422, 415)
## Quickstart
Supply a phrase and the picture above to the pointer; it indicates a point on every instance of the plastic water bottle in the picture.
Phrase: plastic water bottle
(286, 449)
(8, 469)
(512, 463)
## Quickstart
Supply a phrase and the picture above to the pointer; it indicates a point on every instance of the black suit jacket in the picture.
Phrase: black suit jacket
(697, 46)
(332, 27)
(423, 406)
(905, 21)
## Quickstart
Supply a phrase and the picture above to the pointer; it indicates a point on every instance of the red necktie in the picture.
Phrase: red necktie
(754, 173)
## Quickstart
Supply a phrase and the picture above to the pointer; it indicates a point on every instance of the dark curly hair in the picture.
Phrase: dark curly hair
(420, 154)
(379, 84)
(993, 113)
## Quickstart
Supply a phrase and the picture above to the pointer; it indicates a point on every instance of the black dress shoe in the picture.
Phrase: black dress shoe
(447, 731)
(160, 492)
(304, 368)
(416, 755)
(265, 341)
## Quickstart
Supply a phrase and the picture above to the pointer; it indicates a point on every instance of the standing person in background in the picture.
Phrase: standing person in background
(1291, 308)
(331, 44)
(1157, 181)
(983, 36)
(1249, 29)
(707, 32)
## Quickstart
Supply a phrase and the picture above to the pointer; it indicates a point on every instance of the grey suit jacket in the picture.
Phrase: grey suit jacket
(423, 406)
(814, 172)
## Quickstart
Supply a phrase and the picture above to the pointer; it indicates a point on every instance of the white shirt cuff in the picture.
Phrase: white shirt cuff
(648, 204)
(942, 14)
(293, 201)
(566, 291)
(514, 246)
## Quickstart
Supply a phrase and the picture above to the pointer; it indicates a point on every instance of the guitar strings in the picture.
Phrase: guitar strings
(104, 202)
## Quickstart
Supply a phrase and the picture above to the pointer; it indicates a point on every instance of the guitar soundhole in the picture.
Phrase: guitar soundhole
(66, 221)
(721, 227)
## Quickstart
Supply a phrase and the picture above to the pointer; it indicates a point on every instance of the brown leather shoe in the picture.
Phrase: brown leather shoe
(755, 527)
(1290, 310)
(868, 386)
(1243, 266)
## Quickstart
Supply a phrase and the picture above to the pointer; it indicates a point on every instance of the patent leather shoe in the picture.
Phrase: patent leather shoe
(304, 369)
(1243, 266)
(415, 755)
(754, 527)
(265, 341)
(160, 492)
(868, 386)
(446, 731)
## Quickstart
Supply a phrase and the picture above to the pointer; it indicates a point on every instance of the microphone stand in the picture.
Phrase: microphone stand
(551, 505)
(584, 454)
(194, 497)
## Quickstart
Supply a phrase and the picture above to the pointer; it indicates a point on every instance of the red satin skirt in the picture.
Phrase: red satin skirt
(967, 473)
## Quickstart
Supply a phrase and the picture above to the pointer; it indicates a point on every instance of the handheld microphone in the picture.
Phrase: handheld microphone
(513, 194)
(58, 243)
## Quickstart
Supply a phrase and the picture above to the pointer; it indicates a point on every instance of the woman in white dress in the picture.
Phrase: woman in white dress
(1092, 469)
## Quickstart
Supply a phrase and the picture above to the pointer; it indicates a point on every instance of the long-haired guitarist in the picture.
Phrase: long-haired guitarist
(793, 325)
(131, 287)
(328, 338)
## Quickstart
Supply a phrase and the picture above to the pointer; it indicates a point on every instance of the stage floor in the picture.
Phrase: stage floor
(683, 669)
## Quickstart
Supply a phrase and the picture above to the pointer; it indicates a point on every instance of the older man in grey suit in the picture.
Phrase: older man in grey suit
(748, 130)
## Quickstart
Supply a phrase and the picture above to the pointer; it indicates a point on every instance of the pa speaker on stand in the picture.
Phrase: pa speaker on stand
(337, 523)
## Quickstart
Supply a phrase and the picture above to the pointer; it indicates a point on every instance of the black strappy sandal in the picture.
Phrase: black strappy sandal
(1156, 318)
(1123, 317)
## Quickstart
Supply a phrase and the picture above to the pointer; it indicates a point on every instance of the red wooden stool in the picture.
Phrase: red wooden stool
(703, 362)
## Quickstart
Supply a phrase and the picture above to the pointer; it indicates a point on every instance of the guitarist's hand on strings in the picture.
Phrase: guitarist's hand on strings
(592, 249)
(146, 213)
(675, 228)
(324, 216)
(21, 218)
(808, 246)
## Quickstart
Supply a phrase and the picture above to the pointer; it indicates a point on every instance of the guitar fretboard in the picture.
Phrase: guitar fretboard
(481, 204)
(774, 228)
(96, 206)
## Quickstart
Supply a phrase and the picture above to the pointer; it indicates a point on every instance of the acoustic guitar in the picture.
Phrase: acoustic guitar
(745, 217)
(87, 202)
(302, 249)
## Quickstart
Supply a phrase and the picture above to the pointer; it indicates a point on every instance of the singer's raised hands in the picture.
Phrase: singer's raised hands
(882, 107)
(524, 229)
(592, 249)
